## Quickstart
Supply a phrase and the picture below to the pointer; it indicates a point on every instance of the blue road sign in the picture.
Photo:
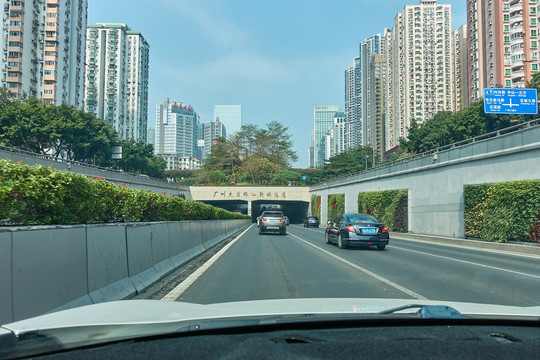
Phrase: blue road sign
(510, 101)
(304, 177)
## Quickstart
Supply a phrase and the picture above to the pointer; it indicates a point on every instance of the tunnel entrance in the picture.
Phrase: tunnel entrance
(296, 211)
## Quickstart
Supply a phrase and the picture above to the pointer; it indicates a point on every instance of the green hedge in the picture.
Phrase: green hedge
(316, 205)
(336, 205)
(506, 211)
(390, 207)
(41, 195)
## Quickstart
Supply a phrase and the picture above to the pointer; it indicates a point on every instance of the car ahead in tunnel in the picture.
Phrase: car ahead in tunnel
(273, 221)
(357, 230)
(311, 221)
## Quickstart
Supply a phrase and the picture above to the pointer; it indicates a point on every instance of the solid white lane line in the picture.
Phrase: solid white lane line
(179, 290)
(366, 271)
(469, 262)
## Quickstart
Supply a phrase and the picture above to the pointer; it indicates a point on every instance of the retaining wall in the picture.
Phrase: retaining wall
(50, 268)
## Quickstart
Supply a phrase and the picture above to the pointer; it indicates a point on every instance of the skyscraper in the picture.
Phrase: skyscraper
(376, 104)
(137, 86)
(230, 116)
(323, 120)
(353, 103)
(461, 66)
(43, 49)
(419, 67)
(117, 78)
(503, 44)
(210, 132)
(176, 133)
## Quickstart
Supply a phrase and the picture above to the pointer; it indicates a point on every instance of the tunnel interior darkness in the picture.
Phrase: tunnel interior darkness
(295, 210)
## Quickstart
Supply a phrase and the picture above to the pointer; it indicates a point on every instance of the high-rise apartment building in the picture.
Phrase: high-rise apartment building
(43, 49)
(419, 67)
(503, 44)
(137, 86)
(323, 119)
(461, 65)
(176, 133)
(230, 116)
(376, 105)
(210, 132)
(337, 137)
(357, 90)
(368, 47)
(116, 73)
(353, 102)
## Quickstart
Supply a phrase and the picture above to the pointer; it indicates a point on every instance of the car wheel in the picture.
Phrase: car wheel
(326, 238)
(340, 242)
(317, 226)
(284, 232)
(260, 231)
(381, 247)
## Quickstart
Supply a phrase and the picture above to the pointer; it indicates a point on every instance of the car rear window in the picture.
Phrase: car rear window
(313, 218)
(272, 214)
(362, 219)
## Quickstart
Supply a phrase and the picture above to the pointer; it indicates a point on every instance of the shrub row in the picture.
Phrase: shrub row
(506, 211)
(42, 195)
(336, 205)
(389, 207)
(316, 205)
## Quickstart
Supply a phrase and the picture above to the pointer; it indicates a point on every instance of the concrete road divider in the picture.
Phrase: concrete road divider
(49, 268)
(6, 277)
(108, 277)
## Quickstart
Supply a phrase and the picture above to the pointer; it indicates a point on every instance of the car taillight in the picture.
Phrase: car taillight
(384, 229)
(263, 219)
(350, 228)
(282, 220)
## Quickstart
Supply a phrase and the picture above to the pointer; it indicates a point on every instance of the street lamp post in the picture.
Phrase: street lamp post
(366, 161)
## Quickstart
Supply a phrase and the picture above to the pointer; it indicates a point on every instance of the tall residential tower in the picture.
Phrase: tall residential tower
(503, 44)
(419, 67)
(116, 88)
(43, 49)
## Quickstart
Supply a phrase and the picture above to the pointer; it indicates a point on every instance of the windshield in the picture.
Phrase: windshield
(146, 143)
(361, 219)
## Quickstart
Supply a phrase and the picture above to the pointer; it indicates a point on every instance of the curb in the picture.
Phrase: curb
(478, 244)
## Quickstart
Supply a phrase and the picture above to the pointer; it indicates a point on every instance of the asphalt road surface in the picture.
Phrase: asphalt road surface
(301, 265)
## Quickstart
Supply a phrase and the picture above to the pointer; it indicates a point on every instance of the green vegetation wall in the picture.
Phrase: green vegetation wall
(316, 205)
(506, 211)
(390, 207)
(336, 205)
(43, 195)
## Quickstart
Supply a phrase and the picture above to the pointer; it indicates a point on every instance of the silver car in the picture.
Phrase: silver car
(273, 221)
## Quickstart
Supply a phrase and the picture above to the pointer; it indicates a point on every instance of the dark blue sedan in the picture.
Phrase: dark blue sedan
(357, 230)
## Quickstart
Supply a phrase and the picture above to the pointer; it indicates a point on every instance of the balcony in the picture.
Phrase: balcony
(516, 19)
(51, 78)
(518, 75)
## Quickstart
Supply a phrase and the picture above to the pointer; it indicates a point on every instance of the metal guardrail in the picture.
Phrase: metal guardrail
(490, 135)
(78, 163)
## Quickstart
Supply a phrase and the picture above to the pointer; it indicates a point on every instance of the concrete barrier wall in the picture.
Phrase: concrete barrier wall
(49, 268)
(436, 184)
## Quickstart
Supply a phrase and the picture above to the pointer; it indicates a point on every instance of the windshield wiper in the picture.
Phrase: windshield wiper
(427, 311)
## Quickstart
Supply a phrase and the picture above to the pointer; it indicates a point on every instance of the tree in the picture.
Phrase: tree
(138, 157)
(284, 177)
(258, 170)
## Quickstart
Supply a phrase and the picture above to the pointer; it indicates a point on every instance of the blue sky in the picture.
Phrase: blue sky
(278, 59)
